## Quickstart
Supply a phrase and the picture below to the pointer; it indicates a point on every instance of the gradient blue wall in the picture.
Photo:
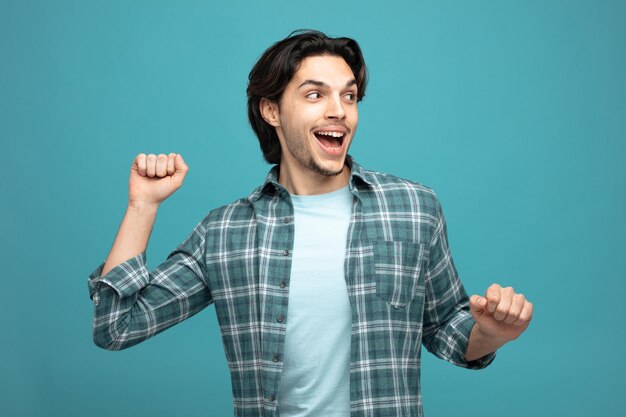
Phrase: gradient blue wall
(514, 112)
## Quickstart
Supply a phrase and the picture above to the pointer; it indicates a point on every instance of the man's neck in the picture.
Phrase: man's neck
(307, 182)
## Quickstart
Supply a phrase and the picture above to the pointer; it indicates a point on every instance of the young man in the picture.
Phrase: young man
(327, 279)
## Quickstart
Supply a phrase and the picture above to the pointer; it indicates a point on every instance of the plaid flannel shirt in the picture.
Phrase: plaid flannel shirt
(402, 284)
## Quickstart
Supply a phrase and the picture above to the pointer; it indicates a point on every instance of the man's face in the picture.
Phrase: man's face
(318, 116)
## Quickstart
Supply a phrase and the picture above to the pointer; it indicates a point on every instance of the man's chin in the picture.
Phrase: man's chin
(330, 170)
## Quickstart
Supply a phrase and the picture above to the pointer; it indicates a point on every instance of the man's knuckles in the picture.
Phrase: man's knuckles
(527, 312)
(512, 317)
(501, 313)
(156, 165)
(161, 165)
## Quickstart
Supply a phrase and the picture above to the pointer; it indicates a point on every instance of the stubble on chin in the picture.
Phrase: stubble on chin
(315, 167)
(303, 156)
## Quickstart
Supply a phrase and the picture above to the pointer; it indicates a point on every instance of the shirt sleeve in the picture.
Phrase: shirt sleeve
(447, 318)
(132, 304)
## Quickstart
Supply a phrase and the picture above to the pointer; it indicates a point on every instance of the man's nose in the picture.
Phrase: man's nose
(334, 108)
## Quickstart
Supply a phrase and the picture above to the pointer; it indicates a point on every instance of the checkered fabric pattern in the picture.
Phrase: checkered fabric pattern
(402, 284)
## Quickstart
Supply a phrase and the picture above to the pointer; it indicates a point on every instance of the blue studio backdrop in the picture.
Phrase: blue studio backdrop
(514, 112)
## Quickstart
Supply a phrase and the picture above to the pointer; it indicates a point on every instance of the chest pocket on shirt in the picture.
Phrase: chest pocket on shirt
(398, 271)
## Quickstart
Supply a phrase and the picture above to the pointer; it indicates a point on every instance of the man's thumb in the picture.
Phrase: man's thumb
(478, 305)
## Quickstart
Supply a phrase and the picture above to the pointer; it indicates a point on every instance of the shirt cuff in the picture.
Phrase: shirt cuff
(463, 327)
(126, 278)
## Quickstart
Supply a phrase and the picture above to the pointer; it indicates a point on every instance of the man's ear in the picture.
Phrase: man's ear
(270, 112)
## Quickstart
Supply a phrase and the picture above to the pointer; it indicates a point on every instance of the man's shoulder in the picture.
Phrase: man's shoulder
(238, 210)
(385, 179)
(389, 186)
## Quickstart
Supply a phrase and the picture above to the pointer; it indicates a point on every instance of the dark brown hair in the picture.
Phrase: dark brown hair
(273, 71)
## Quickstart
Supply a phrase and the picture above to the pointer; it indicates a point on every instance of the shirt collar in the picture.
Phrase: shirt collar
(270, 184)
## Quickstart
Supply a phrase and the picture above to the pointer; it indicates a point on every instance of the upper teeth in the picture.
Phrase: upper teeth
(333, 134)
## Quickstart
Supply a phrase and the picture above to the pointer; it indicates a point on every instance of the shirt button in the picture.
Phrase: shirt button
(280, 318)
(286, 252)
(286, 220)
(283, 284)
(271, 398)
(275, 358)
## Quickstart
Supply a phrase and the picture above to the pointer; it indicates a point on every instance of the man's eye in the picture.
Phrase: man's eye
(313, 95)
(350, 96)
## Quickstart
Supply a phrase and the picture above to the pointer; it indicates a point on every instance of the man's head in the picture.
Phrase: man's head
(302, 94)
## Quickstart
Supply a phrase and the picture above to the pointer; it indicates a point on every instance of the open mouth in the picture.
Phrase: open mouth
(331, 140)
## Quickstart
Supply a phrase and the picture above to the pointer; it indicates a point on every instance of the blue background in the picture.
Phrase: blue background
(514, 112)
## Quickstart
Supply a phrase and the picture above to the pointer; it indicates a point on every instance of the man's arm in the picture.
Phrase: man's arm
(467, 331)
(132, 304)
(447, 319)
(133, 234)
(152, 180)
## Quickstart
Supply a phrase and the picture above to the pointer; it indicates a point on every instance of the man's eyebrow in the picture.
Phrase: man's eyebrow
(322, 84)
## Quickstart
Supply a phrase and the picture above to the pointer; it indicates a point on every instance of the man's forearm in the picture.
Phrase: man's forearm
(480, 345)
(132, 236)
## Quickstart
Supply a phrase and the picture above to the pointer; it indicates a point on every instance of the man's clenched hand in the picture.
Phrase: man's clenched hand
(501, 314)
(153, 178)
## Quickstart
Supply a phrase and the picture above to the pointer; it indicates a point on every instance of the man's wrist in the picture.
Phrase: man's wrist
(143, 207)
(481, 344)
(488, 338)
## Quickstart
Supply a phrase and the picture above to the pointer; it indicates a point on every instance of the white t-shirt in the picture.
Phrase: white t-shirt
(316, 374)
